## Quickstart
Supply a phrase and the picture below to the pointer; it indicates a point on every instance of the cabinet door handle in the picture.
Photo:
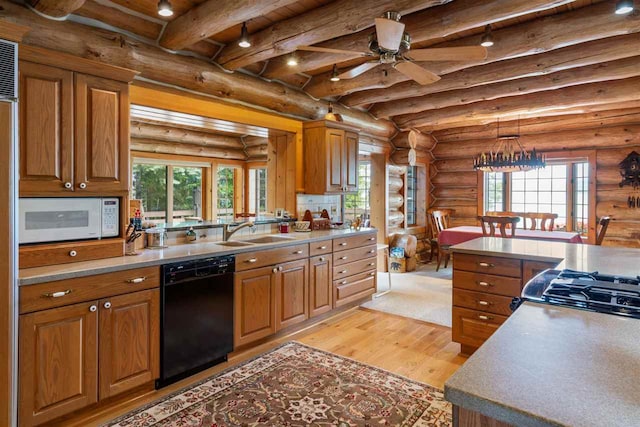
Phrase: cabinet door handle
(322, 247)
(485, 303)
(483, 317)
(83, 185)
(275, 269)
(297, 253)
(486, 265)
(280, 268)
(57, 294)
(93, 308)
(343, 257)
(485, 284)
(73, 253)
(251, 260)
(137, 280)
(107, 305)
(343, 244)
(68, 185)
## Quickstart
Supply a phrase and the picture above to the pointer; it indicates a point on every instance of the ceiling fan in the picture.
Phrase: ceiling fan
(390, 44)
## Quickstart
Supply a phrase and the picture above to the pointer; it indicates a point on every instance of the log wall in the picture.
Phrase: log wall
(455, 183)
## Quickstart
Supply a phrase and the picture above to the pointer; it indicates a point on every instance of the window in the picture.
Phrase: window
(225, 203)
(162, 203)
(257, 190)
(561, 188)
(411, 196)
(357, 204)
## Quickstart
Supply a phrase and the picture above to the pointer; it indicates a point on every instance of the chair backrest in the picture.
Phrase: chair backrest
(489, 224)
(546, 220)
(603, 224)
(439, 219)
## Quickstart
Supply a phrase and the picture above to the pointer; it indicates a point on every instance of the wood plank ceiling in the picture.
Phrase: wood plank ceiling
(575, 56)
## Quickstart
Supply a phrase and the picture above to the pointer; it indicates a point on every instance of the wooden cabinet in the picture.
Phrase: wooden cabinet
(129, 341)
(292, 293)
(320, 295)
(58, 362)
(102, 134)
(354, 268)
(46, 129)
(254, 313)
(331, 157)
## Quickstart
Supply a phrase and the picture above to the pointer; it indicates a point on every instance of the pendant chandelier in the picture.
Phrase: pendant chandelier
(508, 155)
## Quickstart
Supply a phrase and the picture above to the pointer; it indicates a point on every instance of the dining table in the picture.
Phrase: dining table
(454, 235)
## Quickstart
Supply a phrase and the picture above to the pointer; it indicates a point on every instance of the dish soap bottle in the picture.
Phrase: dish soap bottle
(191, 235)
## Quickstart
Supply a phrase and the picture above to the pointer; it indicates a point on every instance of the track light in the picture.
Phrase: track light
(334, 74)
(624, 6)
(244, 36)
(487, 37)
(292, 61)
(165, 8)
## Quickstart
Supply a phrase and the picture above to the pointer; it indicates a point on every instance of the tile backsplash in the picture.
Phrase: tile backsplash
(316, 203)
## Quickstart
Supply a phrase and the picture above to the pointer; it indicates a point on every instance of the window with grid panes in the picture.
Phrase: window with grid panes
(358, 204)
(411, 196)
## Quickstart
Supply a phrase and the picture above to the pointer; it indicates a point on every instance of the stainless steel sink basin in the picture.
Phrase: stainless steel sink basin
(270, 239)
(234, 243)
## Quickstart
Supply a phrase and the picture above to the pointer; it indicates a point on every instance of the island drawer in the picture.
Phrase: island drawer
(345, 257)
(353, 288)
(356, 241)
(64, 292)
(473, 327)
(488, 264)
(321, 248)
(256, 259)
(487, 283)
(355, 267)
(496, 304)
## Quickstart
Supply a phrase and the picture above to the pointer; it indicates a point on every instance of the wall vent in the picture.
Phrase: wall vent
(8, 70)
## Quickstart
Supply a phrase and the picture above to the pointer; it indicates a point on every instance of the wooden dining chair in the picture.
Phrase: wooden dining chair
(440, 220)
(603, 224)
(490, 223)
(546, 220)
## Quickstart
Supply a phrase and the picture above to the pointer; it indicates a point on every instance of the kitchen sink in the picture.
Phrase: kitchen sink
(270, 239)
(234, 243)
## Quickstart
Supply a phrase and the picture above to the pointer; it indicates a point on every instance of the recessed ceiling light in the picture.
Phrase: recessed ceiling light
(292, 61)
(165, 8)
(624, 6)
(244, 36)
(487, 37)
(334, 74)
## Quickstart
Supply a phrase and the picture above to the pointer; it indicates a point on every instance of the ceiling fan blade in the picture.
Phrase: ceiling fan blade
(337, 51)
(389, 33)
(462, 53)
(360, 69)
(416, 72)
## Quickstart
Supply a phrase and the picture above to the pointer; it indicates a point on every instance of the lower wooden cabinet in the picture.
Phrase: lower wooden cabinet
(472, 328)
(76, 355)
(320, 294)
(254, 311)
(292, 298)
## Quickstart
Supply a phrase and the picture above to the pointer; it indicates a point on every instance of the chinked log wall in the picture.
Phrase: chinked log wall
(613, 135)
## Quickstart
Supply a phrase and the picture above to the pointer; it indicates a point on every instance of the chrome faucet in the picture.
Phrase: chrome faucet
(226, 233)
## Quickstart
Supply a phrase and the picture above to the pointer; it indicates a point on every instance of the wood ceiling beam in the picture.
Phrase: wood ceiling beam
(614, 70)
(585, 54)
(163, 147)
(175, 134)
(190, 73)
(212, 17)
(427, 25)
(56, 8)
(532, 37)
(323, 23)
(547, 103)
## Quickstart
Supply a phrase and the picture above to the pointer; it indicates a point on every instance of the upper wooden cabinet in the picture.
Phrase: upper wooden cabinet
(74, 125)
(331, 157)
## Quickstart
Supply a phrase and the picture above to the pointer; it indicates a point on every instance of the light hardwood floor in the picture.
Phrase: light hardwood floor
(412, 348)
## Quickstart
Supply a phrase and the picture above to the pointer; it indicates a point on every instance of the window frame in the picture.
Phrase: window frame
(361, 159)
(571, 156)
(247, 180)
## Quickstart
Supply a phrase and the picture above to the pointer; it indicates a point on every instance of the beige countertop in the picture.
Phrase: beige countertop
(605, 259)
(176, 253)
(550, 366)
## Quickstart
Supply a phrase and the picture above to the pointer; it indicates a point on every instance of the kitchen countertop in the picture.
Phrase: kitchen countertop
(549, 366)
(605, 259)
(176, 253)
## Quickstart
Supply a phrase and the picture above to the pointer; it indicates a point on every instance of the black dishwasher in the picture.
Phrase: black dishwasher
(196, 316)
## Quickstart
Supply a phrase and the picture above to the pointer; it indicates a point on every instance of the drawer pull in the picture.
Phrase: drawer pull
(486, 265)
(371, 264)
(343, 257)
(371, 239)
(57, 294)
(372, 251)
(343, 272)
(251, 260)
(483, 317)
(322, 247)
(485, 284)
(137, 280)
(321, 259)
(372, 273)
(344, 282)
(73, 253)
(297, 253)
(93, 308)
(343, 244)
(485, 303)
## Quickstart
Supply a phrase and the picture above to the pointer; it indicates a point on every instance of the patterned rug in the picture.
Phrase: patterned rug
(296, 385)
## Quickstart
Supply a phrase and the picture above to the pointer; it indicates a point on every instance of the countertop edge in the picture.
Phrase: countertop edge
(506, 254)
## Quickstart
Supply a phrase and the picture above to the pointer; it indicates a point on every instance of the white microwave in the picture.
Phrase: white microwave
(60, 219)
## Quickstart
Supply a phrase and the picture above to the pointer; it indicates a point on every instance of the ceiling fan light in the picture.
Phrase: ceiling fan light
(334, 74)
(624, 6)
(244, 37)
(164, 8)
(487, 37)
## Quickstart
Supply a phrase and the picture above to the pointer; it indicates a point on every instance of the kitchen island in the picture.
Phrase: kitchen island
(551, 365)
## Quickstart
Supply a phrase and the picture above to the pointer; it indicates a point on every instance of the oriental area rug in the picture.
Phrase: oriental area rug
(296, 385)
